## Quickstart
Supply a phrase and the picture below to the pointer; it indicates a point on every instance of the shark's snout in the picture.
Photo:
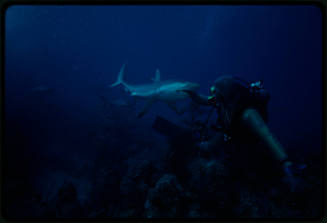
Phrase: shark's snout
(192, 86)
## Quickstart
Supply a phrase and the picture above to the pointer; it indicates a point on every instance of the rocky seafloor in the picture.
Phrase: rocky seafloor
(182, 180)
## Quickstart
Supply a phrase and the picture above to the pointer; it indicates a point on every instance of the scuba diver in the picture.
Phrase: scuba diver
(243, 114)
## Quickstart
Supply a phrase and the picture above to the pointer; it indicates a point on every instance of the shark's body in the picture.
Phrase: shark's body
(165, 91)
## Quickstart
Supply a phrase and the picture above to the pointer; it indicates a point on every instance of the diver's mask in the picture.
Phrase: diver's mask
(212, 99)
(257, 85)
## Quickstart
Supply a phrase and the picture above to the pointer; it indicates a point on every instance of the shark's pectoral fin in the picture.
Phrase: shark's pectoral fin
(183, 110)
(146, 107)
(173, 106)
(126, 90)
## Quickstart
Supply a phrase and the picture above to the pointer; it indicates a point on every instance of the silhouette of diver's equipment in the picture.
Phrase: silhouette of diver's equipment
(243, 114)
(243, 107)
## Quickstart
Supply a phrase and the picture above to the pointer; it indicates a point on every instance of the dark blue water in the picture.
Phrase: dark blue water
(78, 51)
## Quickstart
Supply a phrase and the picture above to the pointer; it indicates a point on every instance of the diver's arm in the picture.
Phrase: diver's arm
(197, 98)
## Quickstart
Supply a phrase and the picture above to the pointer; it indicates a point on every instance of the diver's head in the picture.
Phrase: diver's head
(213, 90)
(215, 96)
(257, 85)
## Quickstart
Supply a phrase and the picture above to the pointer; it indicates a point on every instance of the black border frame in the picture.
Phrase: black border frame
(318, 3)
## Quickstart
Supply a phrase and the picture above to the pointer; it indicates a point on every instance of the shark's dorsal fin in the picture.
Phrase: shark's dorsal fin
(157, 76)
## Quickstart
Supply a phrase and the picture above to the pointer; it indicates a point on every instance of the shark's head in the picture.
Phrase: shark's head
(190, 86)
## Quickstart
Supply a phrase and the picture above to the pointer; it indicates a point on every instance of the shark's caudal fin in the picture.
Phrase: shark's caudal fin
(157, 76)
(120, 77)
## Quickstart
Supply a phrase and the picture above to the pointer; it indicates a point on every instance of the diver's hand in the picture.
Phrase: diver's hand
(293, 169)
(292, 176)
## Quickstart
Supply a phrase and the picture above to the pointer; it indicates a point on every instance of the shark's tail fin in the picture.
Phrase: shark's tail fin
(120, 77)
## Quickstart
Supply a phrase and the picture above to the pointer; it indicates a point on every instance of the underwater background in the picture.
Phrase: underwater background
(74, 147)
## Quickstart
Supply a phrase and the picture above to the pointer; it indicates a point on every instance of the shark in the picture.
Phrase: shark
(168, 91)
